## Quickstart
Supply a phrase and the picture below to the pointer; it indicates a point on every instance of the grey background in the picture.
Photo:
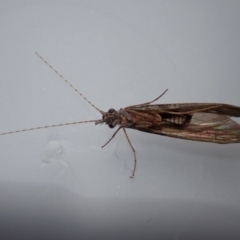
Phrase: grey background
(59, 183)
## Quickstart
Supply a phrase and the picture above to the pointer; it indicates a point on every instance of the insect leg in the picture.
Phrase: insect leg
(112, 137)
(149, 102)
(134, 152)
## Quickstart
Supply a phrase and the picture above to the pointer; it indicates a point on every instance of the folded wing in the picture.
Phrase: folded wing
(207, 127)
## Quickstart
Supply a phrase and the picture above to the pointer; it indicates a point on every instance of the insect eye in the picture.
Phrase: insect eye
(111, 126)
(111, 110)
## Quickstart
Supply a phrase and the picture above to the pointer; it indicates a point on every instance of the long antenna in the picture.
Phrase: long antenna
(69, 83)
(50, 126)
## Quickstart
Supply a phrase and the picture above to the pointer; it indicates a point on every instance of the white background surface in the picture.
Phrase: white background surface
(59, 182)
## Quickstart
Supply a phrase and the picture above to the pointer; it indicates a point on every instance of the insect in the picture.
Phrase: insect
(207, 122)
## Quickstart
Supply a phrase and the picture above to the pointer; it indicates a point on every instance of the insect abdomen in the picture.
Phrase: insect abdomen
(180, 120)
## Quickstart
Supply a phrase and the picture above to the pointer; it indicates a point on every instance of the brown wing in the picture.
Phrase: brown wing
(207, 127)
(183, 108)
